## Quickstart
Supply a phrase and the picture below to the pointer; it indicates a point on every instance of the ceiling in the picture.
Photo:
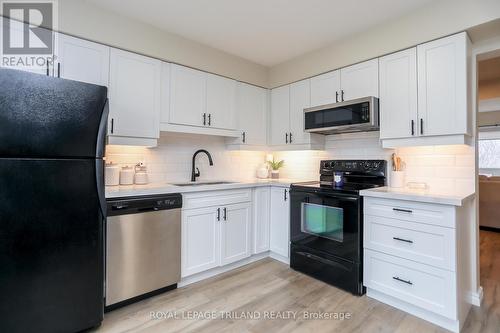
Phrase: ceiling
(266, 32)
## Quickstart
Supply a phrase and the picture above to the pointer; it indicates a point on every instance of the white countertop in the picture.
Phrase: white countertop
(165, 188)
(419, 195)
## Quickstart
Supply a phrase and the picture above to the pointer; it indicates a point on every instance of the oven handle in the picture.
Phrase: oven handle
(318, 193)
(322, 260)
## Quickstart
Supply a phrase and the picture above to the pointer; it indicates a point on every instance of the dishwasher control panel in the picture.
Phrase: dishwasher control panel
(142, 204)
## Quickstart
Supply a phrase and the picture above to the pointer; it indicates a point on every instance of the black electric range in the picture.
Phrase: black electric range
(326, 221)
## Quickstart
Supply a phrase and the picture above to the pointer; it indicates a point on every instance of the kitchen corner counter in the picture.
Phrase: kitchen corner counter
(165, 188)
(427, 196)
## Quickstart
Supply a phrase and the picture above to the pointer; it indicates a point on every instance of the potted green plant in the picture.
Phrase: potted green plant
(275, 167)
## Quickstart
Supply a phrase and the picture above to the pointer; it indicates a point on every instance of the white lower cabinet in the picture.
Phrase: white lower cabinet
(280, 221)
(200, 240)
(235, 232)
(417, 258)
(261, 219)
(215, 232)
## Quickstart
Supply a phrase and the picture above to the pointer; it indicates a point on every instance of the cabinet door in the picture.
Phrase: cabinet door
(81, 60)
(187, 96)
(280, 115)
(300, 98)
(134, 95)
(360, 80)
(280, 221)
(251, 113)
(398, 95)
(261, 211)
(165, 92)
(34, 63)
(200, 240)
(325, 88)
(235, 232)
(442, 86)
(221, 95)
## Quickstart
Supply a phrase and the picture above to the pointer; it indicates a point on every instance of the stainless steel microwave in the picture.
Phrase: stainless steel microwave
(356, 115)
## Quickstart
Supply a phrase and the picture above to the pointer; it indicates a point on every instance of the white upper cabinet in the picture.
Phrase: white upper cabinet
(325, 88)
(280, 115)
(398, 95)
(431, 107)
(134, 95)
(251, 114)
(442, 86)
(300, 98)
(187, 96)
(360, 80)
(221, 96)
(81, 60)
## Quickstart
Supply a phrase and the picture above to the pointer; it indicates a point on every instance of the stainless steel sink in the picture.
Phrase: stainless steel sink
(201, 183)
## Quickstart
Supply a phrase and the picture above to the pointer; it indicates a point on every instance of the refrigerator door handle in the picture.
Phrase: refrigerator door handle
(101, 134)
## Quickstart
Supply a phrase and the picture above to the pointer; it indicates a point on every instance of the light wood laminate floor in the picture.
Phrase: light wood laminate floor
(269, 287)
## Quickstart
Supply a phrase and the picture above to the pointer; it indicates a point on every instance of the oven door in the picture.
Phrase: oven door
(329, 223)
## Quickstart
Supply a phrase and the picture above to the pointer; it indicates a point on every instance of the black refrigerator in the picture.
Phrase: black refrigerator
(52, 205)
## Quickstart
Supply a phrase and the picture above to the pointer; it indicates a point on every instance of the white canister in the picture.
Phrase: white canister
(126, 175)
(263, 172)
(397, 179)
(141, 174)
(111, 174)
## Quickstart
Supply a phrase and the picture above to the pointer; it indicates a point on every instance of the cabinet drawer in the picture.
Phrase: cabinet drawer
(425, 286)
(216, 198)
(441, 215)
(427, 244)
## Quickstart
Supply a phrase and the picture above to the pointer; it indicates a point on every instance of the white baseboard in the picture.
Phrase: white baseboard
(476, 298)
(449, 324)
(279, 257)
(219, 270)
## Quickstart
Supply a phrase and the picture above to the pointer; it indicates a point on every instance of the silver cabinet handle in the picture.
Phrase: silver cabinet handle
(397, 278)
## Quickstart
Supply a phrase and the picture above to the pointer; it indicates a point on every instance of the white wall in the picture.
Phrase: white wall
(86, 20)
(438, 19)
(171, 160)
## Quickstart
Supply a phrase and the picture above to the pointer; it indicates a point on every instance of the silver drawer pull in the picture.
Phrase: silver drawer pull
(403, 240)
(402, 210)
(401, 280)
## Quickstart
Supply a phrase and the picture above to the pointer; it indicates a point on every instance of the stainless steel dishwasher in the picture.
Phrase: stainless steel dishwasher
(143, 247)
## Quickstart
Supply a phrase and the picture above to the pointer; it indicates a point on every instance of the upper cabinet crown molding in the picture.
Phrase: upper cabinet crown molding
(441, 115)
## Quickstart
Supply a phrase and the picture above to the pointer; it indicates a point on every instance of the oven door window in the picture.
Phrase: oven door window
(323, 221)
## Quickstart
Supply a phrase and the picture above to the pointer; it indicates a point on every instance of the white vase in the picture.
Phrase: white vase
(398, 179)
